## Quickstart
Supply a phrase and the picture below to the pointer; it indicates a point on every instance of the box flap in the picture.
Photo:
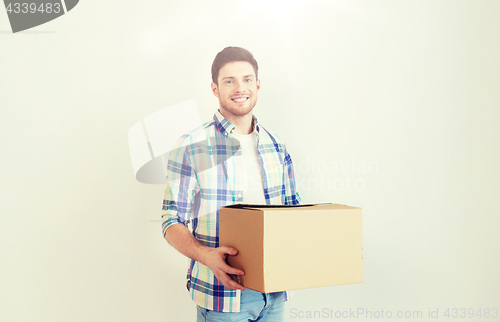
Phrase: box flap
(264, 207)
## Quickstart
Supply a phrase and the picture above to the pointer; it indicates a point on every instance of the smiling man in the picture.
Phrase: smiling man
(248, 163)
(237, 91)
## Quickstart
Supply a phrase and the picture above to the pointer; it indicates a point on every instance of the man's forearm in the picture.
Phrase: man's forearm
(185, 243)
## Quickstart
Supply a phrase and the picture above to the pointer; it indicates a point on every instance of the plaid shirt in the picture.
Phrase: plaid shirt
(204, 173)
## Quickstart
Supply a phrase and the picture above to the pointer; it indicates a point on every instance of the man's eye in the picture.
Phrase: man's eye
(248, 80)
(229, 82)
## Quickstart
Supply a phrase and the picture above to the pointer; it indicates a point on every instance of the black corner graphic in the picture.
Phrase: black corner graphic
(70, 4)
(27, 14)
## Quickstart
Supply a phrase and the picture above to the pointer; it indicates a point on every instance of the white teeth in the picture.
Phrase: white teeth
(239, 100)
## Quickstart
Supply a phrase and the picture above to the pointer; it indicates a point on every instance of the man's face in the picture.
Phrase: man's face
(237, 90)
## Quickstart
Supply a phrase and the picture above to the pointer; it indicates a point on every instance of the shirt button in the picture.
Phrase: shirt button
(239, 195)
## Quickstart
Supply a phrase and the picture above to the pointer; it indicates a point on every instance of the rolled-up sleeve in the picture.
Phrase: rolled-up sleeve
(181, 188)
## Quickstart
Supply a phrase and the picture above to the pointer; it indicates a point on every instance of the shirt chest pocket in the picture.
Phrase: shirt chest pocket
(274, 177)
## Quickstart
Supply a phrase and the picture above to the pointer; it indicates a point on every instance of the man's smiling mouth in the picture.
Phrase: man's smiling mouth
(239, 99)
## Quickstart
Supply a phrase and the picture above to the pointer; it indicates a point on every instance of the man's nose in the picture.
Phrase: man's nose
(240, 87)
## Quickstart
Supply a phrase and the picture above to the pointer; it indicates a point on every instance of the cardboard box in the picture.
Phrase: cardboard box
(293, 247)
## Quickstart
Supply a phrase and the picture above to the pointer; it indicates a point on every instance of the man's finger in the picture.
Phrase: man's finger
(228, 282)
(232, 285)
(228, 250)
(236, 286)
(231, 270)
(237, 278)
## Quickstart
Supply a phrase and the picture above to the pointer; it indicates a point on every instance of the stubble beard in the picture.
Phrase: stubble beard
(236, 111)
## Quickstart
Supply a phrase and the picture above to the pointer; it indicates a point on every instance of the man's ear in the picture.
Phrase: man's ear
(215, 90)
(258, 84)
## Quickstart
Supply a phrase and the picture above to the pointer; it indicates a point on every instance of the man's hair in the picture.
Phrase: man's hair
(232, 54)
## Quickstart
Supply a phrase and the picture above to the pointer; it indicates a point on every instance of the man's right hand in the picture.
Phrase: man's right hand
(181, 239)
(216, 260)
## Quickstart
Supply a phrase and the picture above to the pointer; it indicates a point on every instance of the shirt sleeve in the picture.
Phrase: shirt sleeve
(181, 188)
(291, 194)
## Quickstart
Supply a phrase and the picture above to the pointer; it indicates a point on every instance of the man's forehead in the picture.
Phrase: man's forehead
(237, 69)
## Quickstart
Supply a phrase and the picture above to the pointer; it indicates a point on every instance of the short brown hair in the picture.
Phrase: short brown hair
(232, 54)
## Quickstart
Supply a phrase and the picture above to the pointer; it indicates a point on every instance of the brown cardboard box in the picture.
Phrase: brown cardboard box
(294, 247)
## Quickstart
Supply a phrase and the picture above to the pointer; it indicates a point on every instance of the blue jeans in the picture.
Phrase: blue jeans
(254, 306)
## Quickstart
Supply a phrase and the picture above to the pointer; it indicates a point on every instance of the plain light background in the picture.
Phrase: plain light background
(392, 106)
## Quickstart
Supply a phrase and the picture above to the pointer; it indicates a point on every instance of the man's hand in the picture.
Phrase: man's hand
(181, 239)
(216, 261)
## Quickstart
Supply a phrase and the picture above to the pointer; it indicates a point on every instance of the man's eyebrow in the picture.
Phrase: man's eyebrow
(235, 77)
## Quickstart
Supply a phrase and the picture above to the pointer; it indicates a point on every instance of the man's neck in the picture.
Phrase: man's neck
(242, 124)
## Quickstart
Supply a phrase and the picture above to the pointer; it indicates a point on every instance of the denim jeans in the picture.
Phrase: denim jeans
(254, 306)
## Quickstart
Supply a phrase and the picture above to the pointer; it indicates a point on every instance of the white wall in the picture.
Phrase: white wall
(408, 87)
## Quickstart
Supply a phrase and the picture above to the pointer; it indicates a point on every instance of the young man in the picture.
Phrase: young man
(228, 160)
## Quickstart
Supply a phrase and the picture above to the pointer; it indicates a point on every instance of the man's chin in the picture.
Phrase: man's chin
(238, 110)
